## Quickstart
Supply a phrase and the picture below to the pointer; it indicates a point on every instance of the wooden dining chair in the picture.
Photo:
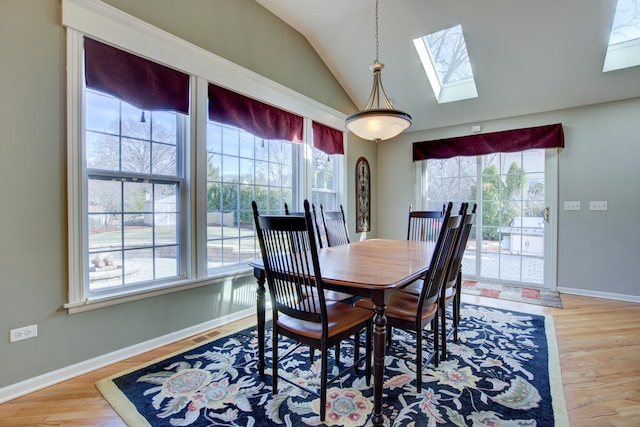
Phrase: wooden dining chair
(414, 312)
(328, 294)
(300, 310)
(335, 227)
(424, 226)
(316, 227)
(452, 288)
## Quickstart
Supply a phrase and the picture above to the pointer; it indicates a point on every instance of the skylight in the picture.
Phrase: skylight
(445, 59)
(624, 43)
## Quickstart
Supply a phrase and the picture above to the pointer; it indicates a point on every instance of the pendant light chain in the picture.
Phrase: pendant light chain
(377, 43)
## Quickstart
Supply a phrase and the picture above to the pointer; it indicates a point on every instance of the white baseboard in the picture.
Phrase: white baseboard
(598, 294)
(50, 378)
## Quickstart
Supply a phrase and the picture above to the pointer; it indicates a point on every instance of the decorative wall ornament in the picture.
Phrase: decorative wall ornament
(363, 195)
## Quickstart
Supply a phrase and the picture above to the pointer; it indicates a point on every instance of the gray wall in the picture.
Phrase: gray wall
(597, 251)
(33, 218)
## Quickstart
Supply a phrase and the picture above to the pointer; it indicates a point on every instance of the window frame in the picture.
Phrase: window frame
(110, 25)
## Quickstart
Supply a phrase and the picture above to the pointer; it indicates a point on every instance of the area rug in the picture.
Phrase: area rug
(504, 371)
(512, 293)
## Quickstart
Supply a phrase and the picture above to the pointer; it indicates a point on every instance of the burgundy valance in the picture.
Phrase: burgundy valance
(142, 83)
(255, 117)
(328, 140)
(509, 141)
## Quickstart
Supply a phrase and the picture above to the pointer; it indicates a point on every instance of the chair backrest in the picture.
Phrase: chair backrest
(335, 227)
(461, 244)
(424, 225)
(290, 257)
(440, 260)
(316, 227)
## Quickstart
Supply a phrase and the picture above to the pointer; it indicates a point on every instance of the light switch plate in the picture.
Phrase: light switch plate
(598, 205)
(572, 206)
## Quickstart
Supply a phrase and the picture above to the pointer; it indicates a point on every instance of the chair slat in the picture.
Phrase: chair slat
(335, 227)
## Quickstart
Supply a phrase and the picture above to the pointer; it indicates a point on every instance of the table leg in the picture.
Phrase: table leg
(260, 308)
(379, 349)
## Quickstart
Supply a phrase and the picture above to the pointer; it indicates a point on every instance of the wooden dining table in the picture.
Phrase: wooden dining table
(374, 268)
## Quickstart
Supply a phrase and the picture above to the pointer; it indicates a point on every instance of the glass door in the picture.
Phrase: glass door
(513, 239)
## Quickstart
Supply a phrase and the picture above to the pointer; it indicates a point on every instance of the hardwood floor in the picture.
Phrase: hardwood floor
(598, 340)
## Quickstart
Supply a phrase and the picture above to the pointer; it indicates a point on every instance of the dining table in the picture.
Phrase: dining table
(373, 268)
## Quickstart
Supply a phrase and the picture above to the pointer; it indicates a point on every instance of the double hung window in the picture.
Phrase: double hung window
(164, 161)
(133, 182)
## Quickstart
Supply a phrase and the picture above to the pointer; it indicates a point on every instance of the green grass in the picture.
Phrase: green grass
(167, 235)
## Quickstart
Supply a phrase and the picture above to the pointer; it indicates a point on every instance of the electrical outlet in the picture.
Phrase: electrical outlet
(598, 206)
(572, 206)
(23, 333)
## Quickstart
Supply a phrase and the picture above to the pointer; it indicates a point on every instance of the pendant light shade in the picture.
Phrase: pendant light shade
(379, 120)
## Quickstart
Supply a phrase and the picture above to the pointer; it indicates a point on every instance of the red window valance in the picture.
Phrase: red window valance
(142, 83)
(255, 117)
(327, 139)
(509, 141)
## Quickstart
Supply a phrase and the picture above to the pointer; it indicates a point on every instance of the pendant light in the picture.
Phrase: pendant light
(379, 120)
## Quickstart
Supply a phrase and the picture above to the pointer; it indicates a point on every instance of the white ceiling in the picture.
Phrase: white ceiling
(527, 56)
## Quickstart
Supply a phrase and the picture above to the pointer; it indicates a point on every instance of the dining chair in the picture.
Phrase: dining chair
(314, 217)
(452, 287)
(335, 227)
(424, 225)
(300, 310)
(328, 294)
(414, 312)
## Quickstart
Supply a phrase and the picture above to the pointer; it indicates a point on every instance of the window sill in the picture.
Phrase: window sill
(114, 298)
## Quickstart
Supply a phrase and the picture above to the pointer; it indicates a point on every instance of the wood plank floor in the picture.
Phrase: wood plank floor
(598, 340)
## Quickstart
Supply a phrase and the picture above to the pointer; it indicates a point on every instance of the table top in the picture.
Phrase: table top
(373, 264)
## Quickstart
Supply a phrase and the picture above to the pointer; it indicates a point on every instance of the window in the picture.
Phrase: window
(134, 177)
(326, 153)
(241, 168)
(160, 197)
(446, 62)
(325, 179)
(623, 50)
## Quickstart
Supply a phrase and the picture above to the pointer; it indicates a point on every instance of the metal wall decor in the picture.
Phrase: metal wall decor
(363, 195)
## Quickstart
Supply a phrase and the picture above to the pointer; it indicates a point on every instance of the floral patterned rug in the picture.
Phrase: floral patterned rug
(504, 371)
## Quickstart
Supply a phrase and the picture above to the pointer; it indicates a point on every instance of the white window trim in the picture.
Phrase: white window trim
(106, 23)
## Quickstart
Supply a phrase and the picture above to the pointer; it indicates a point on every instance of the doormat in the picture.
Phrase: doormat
(542, 297)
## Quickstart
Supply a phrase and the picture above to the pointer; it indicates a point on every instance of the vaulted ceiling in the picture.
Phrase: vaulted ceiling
(527, 56)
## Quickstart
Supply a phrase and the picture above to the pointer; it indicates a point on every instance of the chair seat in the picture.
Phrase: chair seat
(340, 317)
(336, 296)
(416, 287)
(401, 306)
(450, 293)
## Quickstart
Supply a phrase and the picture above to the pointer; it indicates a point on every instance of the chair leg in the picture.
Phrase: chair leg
(419, 359)
(323, 382)
(312, 354)
(337, 349)
(456, 305)
(369, 350)
(274, 363)
(436, 341)
(356, 352)
(443, 327)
